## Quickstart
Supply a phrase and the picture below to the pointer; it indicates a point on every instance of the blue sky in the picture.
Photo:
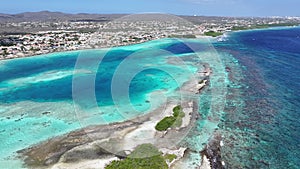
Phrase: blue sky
(186, 7)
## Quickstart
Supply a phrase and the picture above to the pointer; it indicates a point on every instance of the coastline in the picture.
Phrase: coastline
(114, 141)
(72, 51)
(259, 29)
(76, 139)
(105, 47)
(97, 123)
(246, 30)
(205, 159)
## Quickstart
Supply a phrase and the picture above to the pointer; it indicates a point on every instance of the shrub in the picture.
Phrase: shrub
(138, 160)
(177, 112)
(175, 120)
(165, 123)
(170, 157)
(144, 151)
(213, 33)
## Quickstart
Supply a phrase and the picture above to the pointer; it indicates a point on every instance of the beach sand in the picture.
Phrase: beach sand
(96, 146)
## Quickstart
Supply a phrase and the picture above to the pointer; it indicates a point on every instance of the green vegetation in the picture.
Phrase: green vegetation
(165, 123)
(182, 36)
(171, 121)
(170, 157)
(145, 156)
(144, 151)
(137, 38)
(178, 122)
(201, 81)
(177, 112)
(213, 33)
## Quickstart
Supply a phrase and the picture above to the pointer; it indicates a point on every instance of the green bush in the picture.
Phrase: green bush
(145, 156)
(213, 33)
(170, 157)
(171, 121)
(182, 36)
(144, 151)
(165, 123)
(178, 112)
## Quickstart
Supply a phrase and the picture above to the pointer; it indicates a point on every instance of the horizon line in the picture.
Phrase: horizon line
(106, 13)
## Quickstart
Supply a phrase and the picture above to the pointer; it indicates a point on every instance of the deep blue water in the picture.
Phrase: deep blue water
(61, 89)
(76, 89)
(265, 133)
(261, 122)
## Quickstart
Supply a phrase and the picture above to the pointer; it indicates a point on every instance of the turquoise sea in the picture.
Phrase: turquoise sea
(253, 96)
(49, 95)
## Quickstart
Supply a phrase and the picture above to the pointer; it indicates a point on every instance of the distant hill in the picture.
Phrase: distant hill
(56, 16)
(44, 16)
(59, 16)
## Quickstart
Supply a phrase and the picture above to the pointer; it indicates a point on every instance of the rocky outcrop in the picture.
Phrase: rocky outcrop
(212, 152)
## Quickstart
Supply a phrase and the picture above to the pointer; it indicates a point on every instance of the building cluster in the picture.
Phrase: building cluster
(87, 35)
(34, 38)
(226, 24)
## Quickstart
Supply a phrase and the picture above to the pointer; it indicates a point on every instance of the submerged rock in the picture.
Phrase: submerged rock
(212, 151)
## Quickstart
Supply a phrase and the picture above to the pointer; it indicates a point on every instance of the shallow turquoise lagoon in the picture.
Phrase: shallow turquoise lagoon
(252, 99)
(49, 95)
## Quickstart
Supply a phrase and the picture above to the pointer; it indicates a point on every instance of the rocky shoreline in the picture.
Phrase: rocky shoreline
(101, 144)
(211, 154)
(103, 141)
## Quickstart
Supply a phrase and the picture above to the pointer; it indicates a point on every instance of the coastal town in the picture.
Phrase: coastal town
(20, 39)
(139, 84)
